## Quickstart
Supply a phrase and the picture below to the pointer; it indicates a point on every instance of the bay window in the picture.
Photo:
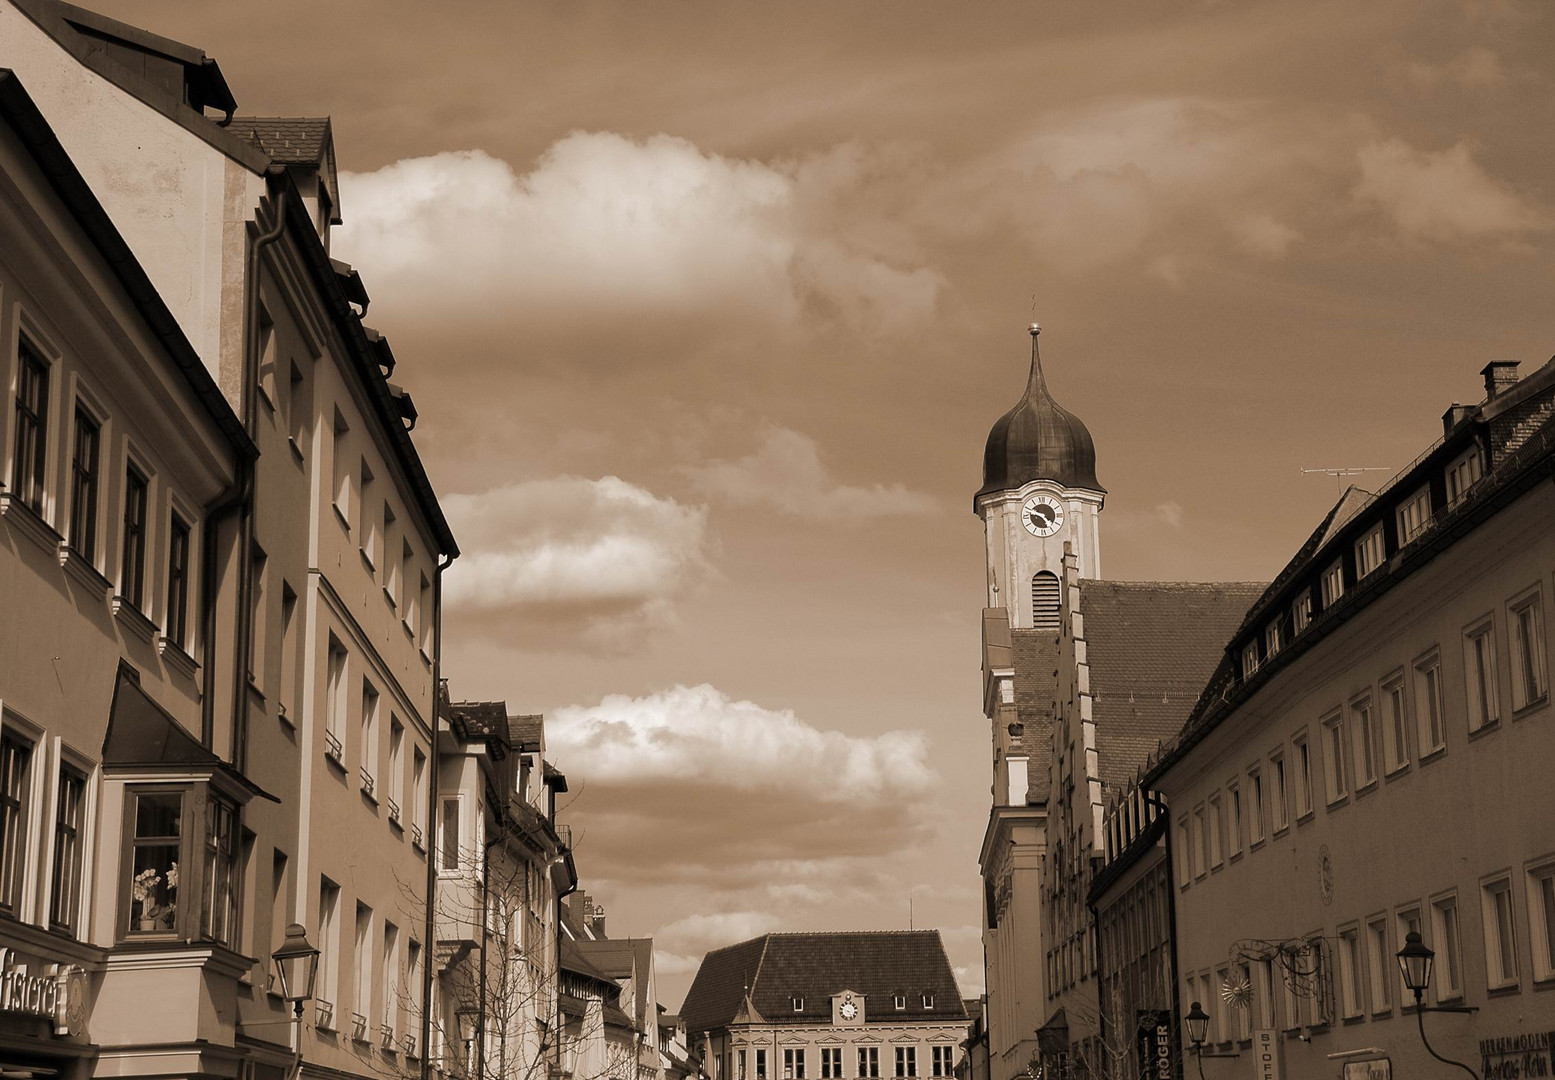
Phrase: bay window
(168, 829)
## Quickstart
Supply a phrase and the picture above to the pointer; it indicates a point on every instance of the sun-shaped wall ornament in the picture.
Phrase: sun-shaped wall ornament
(1236, 991)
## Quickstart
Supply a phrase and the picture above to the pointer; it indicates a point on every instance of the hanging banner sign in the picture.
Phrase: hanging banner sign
(1156, 1056)
(1266, 1055)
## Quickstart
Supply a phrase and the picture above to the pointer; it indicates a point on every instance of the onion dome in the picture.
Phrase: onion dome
(1038, 440)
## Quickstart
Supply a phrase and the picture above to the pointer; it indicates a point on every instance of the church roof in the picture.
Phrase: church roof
(776, 968)
(1038, 439)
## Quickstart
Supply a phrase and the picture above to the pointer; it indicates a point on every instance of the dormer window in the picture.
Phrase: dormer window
(1333, 584)
(1461, 475)
(798, 1004)
(1369, 552)
(1249, 659)
(1414, 515)
(928, 1001)
(900, 1001)
(1271, 640)
(1301, 611)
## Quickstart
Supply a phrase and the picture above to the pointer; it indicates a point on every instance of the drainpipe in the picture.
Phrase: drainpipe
(437, 710)
(241, 498)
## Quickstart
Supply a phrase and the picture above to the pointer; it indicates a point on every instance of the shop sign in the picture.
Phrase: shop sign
(53, 992)
(1155, 1044)
(1516, 1057)
(1369, 1069)
(1266, 1055)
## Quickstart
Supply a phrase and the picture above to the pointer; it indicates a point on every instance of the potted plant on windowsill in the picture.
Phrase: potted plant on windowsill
(153, 915)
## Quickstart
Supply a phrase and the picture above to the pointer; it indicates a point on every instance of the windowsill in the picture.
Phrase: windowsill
(265, 397)
(1218, 867)
(1349, 1020)
(1454, 998)
(1254, 845)
(1433, 755)
(284, 716)
(176, 658)
(340, 516)
(368, 795)
(30, 522)
(396, 825)
(1383, 1014)
(1545, 982)
(291, 444)
(1367, 788)
(1396, 771)
(1305, 818)
(1505, 990)
(1281, 831)
(1532, 707)
(387, 595)
(1236, 857)
(410, 631)
(133, 620)
(337, 760)
(80, 567)
(367, 560)
(1485, 729)
(425, 659)
(1336, 803)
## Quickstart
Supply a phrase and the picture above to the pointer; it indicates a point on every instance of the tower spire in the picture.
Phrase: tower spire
(1037, 381)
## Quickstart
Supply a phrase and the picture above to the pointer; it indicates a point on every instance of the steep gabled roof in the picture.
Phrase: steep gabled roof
(1151, 647)
(289, 140)
(813, 966)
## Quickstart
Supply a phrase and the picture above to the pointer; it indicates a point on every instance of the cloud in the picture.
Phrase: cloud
(786, 472)
(750, 795)
(1171, 513)
(1442, 195)
(1476, 68)
(602, 560)
(1261, 234)
(615, 227)
(700, 933)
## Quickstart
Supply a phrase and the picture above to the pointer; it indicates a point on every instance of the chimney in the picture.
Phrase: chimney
(597, 921)
(1455, 415)
(1500, 376)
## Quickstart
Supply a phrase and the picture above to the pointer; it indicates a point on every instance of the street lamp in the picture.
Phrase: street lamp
(467, 1020)
(1197, 1023)
(296, 966)
(1414, 961)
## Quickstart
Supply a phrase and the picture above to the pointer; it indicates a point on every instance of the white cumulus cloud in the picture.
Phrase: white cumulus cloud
(602, 557)
(786, 472)
(615, 226)
(1442, 195)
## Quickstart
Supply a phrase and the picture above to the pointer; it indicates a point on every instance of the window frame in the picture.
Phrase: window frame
(1470, 465)
(17, 811)
(1406, 917)
(1447, 941)
(1235, 814)
(1301, 611)
(1215, 812)
(1335, 772)
(1427, 682)
(1530, 660)
(85, 484)
(1380, 964)
(1306, 805)
(78, 835)
(1363, 741)
(1332, 584)
(1497, 979)
(175, 616)
(1539, 878)
(192, 915)
(1279, 798)
(1395, 727)
(1409, 531)
(29, 479)
(1371, 552)
(1257, 828)
(1352, 990)
(1481, 673)
(134, 535)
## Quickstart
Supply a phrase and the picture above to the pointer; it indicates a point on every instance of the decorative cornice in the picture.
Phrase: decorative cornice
(29, 523)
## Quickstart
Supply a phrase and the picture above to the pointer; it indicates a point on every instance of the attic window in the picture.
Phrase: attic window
(900, 1001)
(1044, 601)
(928, 1001)
(799, 1004)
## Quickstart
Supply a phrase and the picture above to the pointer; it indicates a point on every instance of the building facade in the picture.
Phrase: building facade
(803, 1006)
(1370, 761)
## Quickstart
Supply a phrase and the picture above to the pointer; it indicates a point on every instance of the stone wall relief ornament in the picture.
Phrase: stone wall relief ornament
(1325, 874)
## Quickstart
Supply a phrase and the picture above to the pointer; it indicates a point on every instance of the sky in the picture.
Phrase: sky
(708, 309)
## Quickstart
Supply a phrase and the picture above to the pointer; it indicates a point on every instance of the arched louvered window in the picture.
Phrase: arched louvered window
(1044, 601)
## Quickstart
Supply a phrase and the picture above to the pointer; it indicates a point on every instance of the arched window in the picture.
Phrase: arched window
(1044, 601)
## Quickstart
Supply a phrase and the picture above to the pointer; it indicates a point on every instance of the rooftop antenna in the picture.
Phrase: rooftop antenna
(1341, 472)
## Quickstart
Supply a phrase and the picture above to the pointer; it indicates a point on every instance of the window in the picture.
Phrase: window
(1200, 841)
(451, 849)
(1249, 659)
(793, 1063)
(1380, 964)
(342, 470)
(1479, 675)
(740, 1061)
(177, 629)
(1461, 475)
(32, 427)
(1405, 922)
(943, 1060)
(258, 605)
(1244, 1016)
(1255, 823)
(1541, 916)
(761, 1064)
(391, 983)
(1183, 852)
(1301, 612)
(899, 1001)
(1333, 584)
(65, 892)
(280, 898)
(831, 1062)
(424, 615)
(298, 406)
(1500, 934)
(1280, 795)
(798, 1003)
(906, 1061)
(1303, 776)
(219, 895)
(362, 957)
(132, 567)
(1217, 829)
(396, 785)
(156, 832)
(868, 1062)
(1350, 972)
(1271, 640)
(1365, 741)
(418, 780)
(267, 350)
(1333, 757)
(327, 978)
(1449, 950)
(369, 763)
(83, 486)
(335, 700)
(1369, 552)
(407, 568)
(287, 706)
(1414, 516)
(372, 530)
(1263, 988)
(928, 1001)
(413, 995)
(1428, 701)
(15, 799)
(1395, 727)
(1044, 601)
(1529, 684)
(1234, 835)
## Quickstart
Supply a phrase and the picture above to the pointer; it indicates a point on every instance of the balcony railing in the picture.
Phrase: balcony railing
(394, 810)
(416, 836)
(332, 748)
(324, 1014)
(367, 779)
(386, 1037)
(359, 1027)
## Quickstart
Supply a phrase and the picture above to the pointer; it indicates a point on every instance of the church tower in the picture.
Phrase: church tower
(1039, 493)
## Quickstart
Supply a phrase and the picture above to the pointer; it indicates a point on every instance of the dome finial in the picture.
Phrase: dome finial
(1037, 383)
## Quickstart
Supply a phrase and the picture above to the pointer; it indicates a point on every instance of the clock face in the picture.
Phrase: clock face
(1042, 515)
(848, 1010)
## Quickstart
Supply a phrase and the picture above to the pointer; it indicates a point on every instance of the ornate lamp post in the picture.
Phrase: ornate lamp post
(296, 967)
(1197, 1023)
(1414, 961)
(467, 1023)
